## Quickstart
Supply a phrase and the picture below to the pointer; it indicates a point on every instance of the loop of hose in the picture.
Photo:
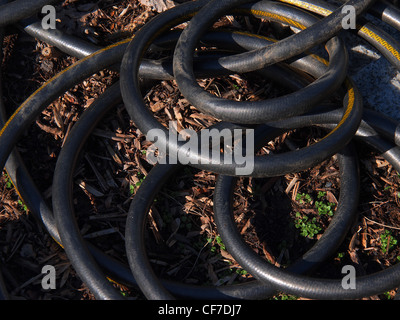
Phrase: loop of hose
(304, 107)
(263, 165)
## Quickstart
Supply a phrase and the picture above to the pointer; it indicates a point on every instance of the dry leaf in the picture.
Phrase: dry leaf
(158, 5)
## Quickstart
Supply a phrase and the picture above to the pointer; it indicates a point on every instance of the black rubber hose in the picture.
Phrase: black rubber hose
(73, 243)
(172, 285)
(263, 166)
(387, 127)
(149, 69)
(246, 291)
(134, 233)
(375, 130)
(20, 9)
(80, 48)
(381, 40)
(61, 195)
(286, 281)
(387, 12)
(380, 144)
(39, 208)
(69, 44)
(28, 111)
(62, 204)
(291, 46)
(46, 216)
(41, 98)
(25, 186)
(4, 295)
(256, 112)
(333, 236)
(63, 208)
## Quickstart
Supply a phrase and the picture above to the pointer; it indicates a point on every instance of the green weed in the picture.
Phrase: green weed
(387, 241)
(308, 227)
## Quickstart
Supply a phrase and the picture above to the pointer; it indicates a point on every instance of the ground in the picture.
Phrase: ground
(280, 217)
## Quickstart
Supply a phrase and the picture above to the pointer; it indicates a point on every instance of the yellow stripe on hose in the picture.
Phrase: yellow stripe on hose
(360, 28)
(272, 16)
(308, 6)
(320, 59)
(244, 33)
(42, 87)
(349, 108)
(381, 41)
(57, 76)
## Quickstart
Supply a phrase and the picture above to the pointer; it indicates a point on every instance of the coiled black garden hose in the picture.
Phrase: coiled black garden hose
(11, 13)
(287, 281)
(286, 48)
(88, 259)
(46, 217)
(370, 285)
(62, 194)
(263, 166)
(374, 35)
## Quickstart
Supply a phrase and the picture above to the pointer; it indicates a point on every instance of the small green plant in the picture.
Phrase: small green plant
(387, 241)
(388, 295)
(22, 205)
(217, 240)
(285, 297)
(321, 194)
(132, 187)
(241, 272)
(340, 255)
(308, 227)
(303, 198)
(220, 243)
(324, 208)
(9, 184)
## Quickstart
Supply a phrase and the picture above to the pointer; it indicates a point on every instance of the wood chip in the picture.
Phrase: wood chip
(113, 136)
(268, 254)
(112, 153)
(54, 131)
(87, 187)
(155, 107)
(364, 233)
(291, 184)
(331, 197)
